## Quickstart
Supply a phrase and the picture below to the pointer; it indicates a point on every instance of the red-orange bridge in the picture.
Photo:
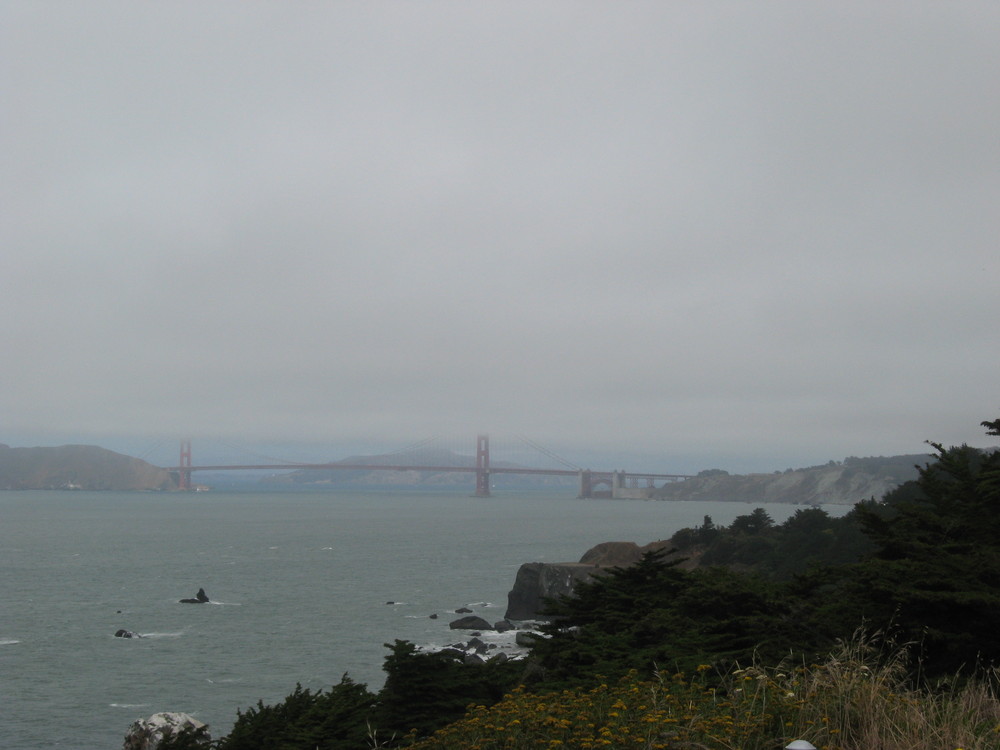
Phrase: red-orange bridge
(615, 483)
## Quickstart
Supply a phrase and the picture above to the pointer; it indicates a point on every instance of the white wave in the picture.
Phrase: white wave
(8, 641)
(128, 705)
(224, 680)
(225, 604)
(177, 634)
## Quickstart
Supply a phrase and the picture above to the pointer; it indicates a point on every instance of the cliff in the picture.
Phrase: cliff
(535, 582)
(840, 483)
(77, 467)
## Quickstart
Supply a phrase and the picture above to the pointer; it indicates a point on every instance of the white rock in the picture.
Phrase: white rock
(147, 734)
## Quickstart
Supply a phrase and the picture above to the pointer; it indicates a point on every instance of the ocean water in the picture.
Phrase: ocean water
(305, 587)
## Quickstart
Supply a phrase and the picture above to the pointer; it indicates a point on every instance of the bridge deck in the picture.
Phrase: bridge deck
(433, 469)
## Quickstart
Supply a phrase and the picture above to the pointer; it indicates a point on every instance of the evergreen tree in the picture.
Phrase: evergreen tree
(426, 691)
(333, 720)
(934, 574)
(654, 614)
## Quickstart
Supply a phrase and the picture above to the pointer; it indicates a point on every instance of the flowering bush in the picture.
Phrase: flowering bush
(856, 700)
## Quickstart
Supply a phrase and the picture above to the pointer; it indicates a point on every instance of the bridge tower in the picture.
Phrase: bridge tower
(184, 475)
(483, 466)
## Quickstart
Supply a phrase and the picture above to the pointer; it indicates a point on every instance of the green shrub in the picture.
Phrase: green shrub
(337, 719)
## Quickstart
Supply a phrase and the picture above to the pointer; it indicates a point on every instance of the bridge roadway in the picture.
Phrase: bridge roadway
(620, 484)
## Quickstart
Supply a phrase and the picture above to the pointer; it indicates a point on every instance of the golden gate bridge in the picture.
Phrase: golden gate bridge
(613, 483)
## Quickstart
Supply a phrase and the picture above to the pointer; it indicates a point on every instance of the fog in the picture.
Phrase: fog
(689, 235)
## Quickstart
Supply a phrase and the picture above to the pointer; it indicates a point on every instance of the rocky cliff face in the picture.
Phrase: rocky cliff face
(77, 467)
(840, 483)
(536, 581)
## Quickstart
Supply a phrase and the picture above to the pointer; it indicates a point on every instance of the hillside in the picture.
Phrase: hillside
(77, 467)
(839, 483)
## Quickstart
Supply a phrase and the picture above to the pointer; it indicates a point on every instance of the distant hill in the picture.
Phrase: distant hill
(420, 457)
(844, 483)
(77, 467)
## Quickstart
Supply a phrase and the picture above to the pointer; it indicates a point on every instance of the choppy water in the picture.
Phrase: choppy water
(299, 584)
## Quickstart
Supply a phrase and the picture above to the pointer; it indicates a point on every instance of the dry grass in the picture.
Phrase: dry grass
(860, 698)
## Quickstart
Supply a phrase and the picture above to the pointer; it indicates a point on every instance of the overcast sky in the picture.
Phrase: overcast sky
(746, 235)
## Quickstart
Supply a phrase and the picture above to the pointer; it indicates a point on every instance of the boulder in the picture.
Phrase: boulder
(470, 622)
(502, 626)
(126, 634)
(526, 638)
(149, 734)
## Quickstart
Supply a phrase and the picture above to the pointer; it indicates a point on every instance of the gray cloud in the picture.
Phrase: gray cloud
(761, 235)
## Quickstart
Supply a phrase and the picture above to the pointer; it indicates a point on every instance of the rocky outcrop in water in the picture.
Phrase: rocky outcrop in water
(149, 734)
(537, 581)
(200, 598)
(470, 622)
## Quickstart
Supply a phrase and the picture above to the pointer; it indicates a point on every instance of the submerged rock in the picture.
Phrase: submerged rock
(126, 634)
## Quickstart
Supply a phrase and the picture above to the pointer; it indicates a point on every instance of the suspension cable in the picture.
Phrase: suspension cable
(547, 452)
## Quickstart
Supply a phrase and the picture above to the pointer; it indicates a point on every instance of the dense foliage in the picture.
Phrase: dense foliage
(809, 538)
(424, 691)
(654, 614)
(920, 567)
(337, 719)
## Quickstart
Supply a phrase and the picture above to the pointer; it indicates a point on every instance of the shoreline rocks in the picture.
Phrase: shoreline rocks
(470, 622)
(149, 734)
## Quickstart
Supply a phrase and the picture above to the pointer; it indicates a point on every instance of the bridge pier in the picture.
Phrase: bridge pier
(483, 466)
(184, 467)
(617, 480)
(625, 486)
